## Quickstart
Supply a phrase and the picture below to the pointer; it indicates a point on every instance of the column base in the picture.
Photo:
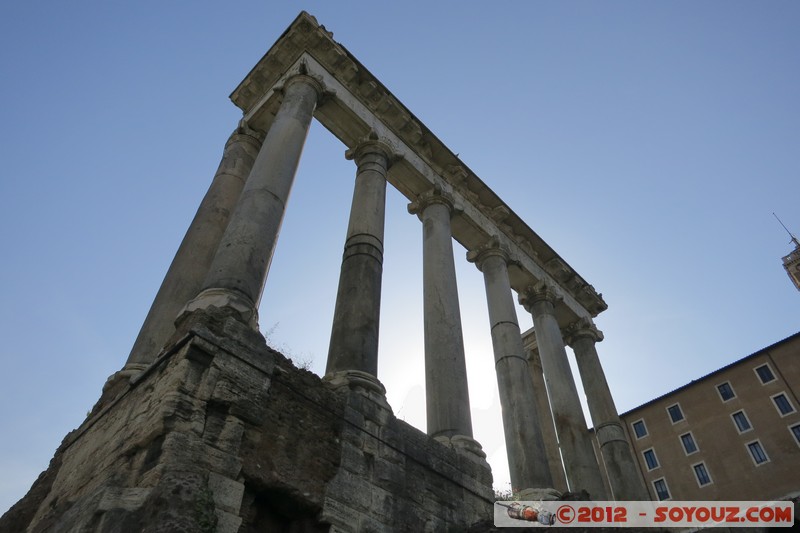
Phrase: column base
(223, 298)
(464, 445)
(539, 495)
(128, 372)
(360, 382)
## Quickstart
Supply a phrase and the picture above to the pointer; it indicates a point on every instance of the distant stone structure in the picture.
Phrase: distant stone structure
(208, 429)
(791, 263)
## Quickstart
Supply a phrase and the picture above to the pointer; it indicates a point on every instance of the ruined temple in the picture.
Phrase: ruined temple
(206, 428)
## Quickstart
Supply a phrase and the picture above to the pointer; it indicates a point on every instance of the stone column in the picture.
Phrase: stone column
(580, 464)
(190, 265)
(543, 406)
(237, 274)
(354, 336)
(447, 395)
(527, 460)
(623, 473)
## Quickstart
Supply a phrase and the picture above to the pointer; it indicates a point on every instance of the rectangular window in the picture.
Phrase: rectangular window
(765, 373)
(650, 459)
(675, 413)
(725, 391)
(741, 421)
(662, 492)
(795, 429)
(701, 473)
(757, 452)
(639, 429)
(783, 404)
(689, 445)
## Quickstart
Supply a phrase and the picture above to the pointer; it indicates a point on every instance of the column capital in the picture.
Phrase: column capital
(303, 78)
(583, 327)
(435, 195)
(243, 128)
(492, 248)
(313, 81)
(372, 144)
(541, 290)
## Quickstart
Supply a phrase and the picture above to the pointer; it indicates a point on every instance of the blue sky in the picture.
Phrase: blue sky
(647, 142)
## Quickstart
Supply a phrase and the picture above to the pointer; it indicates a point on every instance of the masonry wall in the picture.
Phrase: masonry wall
(223, 434)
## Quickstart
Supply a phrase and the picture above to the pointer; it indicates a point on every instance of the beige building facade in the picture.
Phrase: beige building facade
(733, 434)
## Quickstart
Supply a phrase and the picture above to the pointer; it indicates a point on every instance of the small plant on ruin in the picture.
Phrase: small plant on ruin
(303, 362)
(205, 510)
(506, 495)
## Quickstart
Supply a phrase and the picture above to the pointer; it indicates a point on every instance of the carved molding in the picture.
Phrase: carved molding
(558, 269)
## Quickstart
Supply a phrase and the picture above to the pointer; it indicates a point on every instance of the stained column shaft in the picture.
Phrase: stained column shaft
(191, 263)
(237, 274)
(446, 391)
(356, 318)
(527, 460)
(623, 473)
(580, 464)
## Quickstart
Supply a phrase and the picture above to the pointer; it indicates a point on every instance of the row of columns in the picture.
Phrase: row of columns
(568, 435)
(225, 257)
(579, 460)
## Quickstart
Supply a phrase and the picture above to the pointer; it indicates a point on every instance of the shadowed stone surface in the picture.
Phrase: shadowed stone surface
(224, 434)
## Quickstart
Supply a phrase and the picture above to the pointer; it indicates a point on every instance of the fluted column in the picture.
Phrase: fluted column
(580, 464)
(543, 406)
(356, 318)
(527, 460)
(239, 269)
(190, 265)
(623, 473)
(446, 392)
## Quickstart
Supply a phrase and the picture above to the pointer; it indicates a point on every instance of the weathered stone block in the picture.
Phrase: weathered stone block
(227, 522)
(128, 499)
(341, 515)
(227, 492)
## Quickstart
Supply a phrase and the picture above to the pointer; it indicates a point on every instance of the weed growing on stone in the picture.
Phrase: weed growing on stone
(205, 511)
(508, 494)
(303, 362)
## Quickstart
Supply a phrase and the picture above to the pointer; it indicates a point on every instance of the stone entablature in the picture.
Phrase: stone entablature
(356, 103)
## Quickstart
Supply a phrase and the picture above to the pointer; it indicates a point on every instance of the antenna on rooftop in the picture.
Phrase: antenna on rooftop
(794, 239)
